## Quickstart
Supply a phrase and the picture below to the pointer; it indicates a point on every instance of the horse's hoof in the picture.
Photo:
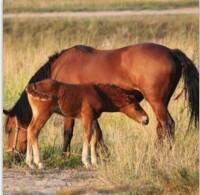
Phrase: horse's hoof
(66, 154)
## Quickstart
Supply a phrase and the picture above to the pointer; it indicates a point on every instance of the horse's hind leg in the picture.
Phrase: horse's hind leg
(170, 122)
(166, 125)
(68, 134)
(166, 129)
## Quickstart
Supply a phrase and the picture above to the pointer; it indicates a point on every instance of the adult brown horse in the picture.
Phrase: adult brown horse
(152, 70)
(86, 101)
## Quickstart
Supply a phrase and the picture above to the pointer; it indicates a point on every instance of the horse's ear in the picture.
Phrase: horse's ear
(8, 112)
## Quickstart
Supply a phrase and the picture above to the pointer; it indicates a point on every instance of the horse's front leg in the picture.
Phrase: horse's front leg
(68, 134)
(87, 123)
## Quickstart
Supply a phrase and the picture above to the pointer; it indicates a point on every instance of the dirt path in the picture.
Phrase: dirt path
(50, 181)
(104, 13)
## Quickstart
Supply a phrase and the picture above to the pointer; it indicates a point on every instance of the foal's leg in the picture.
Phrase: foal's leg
(68, 134)
(32, 138)
(87, 123)
(93, 145)
(97, 137)
(29, 153)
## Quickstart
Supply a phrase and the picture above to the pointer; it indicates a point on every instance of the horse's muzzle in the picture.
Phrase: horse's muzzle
(145, 120)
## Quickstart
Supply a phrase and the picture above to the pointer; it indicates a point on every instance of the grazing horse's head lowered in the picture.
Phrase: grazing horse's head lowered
(86, 101)
(16, 135)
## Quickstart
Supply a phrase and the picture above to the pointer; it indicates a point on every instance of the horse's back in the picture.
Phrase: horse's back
(124, 67)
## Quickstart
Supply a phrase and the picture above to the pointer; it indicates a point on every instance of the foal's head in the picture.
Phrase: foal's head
(136, 112)
(126, 101)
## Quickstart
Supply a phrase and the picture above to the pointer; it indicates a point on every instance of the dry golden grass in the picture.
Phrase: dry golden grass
(88, 5)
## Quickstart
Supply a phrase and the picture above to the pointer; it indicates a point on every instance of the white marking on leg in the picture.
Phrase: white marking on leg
(29, 155)
(93, 154)
(85, 154)
(37, 156)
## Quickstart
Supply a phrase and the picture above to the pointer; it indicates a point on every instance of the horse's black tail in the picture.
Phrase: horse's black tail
(191, 84)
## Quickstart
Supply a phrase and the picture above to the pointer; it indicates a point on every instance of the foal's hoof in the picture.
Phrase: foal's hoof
(87, 164)
(41, 166)
(31, 166)
(94, 163)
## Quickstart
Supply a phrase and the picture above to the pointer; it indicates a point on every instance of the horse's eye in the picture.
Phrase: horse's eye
(133, 100)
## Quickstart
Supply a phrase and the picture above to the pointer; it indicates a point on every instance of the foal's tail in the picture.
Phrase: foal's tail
(191, 84)
(36, 94)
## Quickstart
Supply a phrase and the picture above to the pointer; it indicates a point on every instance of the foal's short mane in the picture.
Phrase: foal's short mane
(38, 95)
(115, 93)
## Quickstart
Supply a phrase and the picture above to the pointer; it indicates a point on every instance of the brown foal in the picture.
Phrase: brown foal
(85, 101)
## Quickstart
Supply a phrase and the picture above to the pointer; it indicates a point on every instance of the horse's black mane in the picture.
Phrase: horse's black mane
(22, 108)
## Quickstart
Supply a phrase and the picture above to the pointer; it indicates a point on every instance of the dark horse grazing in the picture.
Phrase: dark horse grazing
(76, 101)
(152, 70)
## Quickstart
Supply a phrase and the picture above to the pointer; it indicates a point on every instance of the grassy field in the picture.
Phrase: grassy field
(88, 5)
(135, 163)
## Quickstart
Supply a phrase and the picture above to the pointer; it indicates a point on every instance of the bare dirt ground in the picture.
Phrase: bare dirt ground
(19, 181)
(103, 13)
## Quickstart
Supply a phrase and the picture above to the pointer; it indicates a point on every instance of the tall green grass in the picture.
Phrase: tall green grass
(88, 5)
(135, 163)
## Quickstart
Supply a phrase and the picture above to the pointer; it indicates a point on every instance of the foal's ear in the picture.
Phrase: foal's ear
(8, 112)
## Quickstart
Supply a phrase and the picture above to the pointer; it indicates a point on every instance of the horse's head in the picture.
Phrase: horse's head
(136, 112)
(16, 135)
